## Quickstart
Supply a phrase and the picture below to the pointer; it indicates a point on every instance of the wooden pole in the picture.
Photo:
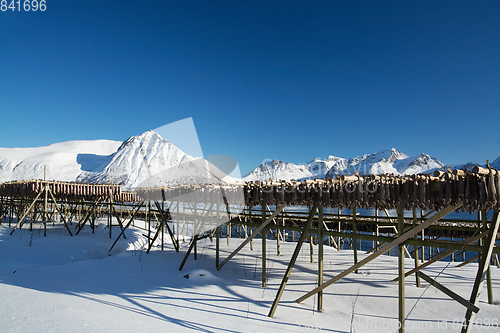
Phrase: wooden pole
(410, 233)
(338, 226)
(278, 234)
(489, 286)
(448, 292)
(45, 207)
(255, 233)
(228, 227)
(132, 218)
(481, 271)
(295, 255)
(217, 246)
(177, 222)
(195, 239)
(422, 237)
(250, 219)
(468, 261)
(311, 254)
(320, 255)
(445, 254)
(415, 248)
(354, 240)
(264, 234)
(183, 221)
(193, 242)
(162, 226)
(110, 216)
(401, 271)
(20, 221)
(62, 217)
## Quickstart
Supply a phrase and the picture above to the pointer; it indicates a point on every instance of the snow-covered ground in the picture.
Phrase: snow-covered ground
(60, 283)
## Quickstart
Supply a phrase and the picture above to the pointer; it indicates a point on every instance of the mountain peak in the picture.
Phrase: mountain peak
(144, 139)
(138, 158)
(391, 154)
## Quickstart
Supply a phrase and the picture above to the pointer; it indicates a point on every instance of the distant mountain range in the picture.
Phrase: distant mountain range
(385, 161)
(150, 160)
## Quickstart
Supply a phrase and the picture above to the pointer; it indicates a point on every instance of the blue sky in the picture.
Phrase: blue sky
(288, 80)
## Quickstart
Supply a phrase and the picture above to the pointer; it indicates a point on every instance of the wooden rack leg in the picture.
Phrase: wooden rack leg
(252, 236)
(415, 248)
(320, 256)
(217, 246)
(295, 255)
(264, 247)
(193, 242)
(412, 232)
(481, 271)
(401, 271)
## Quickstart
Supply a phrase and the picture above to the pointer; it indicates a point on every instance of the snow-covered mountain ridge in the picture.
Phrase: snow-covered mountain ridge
(140, 161)
(149, 159)
(385, 161)
(64, 161)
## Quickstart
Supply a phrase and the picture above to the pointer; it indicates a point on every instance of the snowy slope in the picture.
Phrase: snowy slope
(64, 161)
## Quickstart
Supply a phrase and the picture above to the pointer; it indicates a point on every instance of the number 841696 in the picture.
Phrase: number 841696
(26, 5)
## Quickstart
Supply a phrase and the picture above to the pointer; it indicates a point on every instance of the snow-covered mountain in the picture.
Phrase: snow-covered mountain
(149, 160)
(385, 161)
(64, 161)
(276, 170)
(136, 160)
(140, 161)
(389, 161)
(319, 168)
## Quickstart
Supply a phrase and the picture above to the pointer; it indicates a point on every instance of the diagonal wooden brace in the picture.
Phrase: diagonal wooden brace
(468, 261)
(410, 233)
(448, 292)
(19, 223)
(252, 236)
(295, 255)
(444, 254)
(128, 224)
(165, 219)
(88, 215)
(484, 264)
(60, 213)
